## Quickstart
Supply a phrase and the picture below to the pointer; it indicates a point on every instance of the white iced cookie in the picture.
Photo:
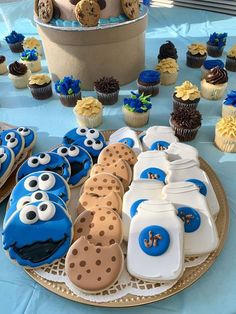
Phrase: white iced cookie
(127, 136)
(182, 151)
(188, 170)
(151, 165)
(155, 247)
(200, 236)
(159, 138)
(139, 191)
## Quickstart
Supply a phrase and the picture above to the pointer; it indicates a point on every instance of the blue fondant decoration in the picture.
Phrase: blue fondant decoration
(149, 76)
(128, 141)
(153, 173)
(201, 185)
(29, 136)
(154, 240)
(210, 64)
(6, 159)
(12, 139)
(134, 206)
(14, 38)
(38, 234)
(159, 145)
(190, 217)
(231, 99)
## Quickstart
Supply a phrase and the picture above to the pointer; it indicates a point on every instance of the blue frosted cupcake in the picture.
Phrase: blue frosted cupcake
(15, 41)
(210, 64)
(216, 44)
(229, 105)
(148, 82)
(69, 91)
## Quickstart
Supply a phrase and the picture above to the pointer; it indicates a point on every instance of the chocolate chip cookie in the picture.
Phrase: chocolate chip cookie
(87, 12)
(44, 10)
(131, 8)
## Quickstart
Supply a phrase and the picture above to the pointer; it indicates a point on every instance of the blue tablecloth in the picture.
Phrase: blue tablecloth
(215, 291)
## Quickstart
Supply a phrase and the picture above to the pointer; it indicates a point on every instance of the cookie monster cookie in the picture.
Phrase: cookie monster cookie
(80, 162)
(131, 8)
(38, 234)
(7, 159)
(93, 268)
(29, 136)
(87, 12)
(14, 140)
(45, 162)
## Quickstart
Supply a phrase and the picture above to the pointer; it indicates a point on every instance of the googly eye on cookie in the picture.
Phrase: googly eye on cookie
(14, 140)
(7, 159)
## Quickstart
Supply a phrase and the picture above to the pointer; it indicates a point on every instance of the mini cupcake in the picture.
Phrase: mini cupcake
(15, 41)
(230, 64)
(168, 69)
(148, 83)
(186, 123)
(19, 74)
(3, 65)
(186, 95)
(229, 105)
(225, 134)
(196, 55)
(31, 43)
(107, 89)
(88, 112)
(32, 59)
(210, 64)
(40, 86)
(167, 50)
(216, 44)
(214, 85)
(68, 90)
(136, 110)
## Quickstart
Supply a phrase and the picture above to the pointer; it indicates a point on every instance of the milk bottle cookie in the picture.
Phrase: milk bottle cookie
(155, 246)
(200, 236)
(182, 151)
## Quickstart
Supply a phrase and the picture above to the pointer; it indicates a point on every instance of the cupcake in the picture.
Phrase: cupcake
(230, 64)
(185, 122)
(168, 69)
(186, 95)
(196, 55)
(15, 41)
(136, 110)
(216, 44)
(167, 50)
(213, 86)
(148, 83)
(210, 64)
(88, 112)
(107, 89)
(69, 91)
(225, 134)
(19, 74)
(3, 66)
(229, 105)
(31, 43)
(40, 86)
(32, 59)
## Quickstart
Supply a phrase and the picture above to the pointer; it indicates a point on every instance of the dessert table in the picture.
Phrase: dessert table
(215, 291)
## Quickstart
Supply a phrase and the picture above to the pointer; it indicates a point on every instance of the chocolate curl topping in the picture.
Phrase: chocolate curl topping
(17, 68)
(216, 76)
(107, 85)
(187, 118)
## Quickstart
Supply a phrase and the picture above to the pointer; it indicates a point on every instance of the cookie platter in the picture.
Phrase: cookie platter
(192, 272)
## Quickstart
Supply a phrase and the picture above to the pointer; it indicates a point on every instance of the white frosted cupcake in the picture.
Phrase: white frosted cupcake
(229, 105)
(88, 112)
(225, 134)
(19, 74)
(32, 43)
(32, 59)
(168, 69)
(3, 66)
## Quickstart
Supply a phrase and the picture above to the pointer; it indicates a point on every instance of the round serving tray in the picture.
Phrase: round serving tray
(190, 275)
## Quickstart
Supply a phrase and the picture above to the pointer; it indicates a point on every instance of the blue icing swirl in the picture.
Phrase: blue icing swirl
(149, 76)
(190, 217)
(154, 174)
(29, 55)
(134, 207)
(159, 145)
(231, 99)
(210, 64)
(202, 187)
(14, 38)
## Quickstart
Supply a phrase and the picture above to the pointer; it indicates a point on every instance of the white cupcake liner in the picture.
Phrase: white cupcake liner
(228, 110)
(151, 90)
(107, 98)
(168, 78)
(20, 81)
(135, 119)
(225, 144)
(90, 122)
(212, 92)
(33, 66)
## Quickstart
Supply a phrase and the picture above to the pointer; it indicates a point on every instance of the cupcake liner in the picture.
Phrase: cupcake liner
(215, 51)
(41, 92)
(70, 100)
(151, 90)
(184, 135)
(225, 144)
(195, 61)
(212, 92)
(192, 105)
(3, 68)
(135, 119)
(230, 64)
(204, 72)
(20, 81)
(90, 122)
(168, 78)
(34, 66)
(228, 110)
(17, 47)
(107, 98)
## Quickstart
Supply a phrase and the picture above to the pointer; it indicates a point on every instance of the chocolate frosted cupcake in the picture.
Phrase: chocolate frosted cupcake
(186, 95)
(40, 86)
(196, 55)
(185, 122)
(167, 50)
(148, 83)
(15, 41)
(210, 64)
(214, 85)
(230, 64)
(107, 89)
(3, 66)
(19, 74)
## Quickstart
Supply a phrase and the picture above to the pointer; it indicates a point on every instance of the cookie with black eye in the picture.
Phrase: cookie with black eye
(14, 140)
(29, 136)
(7, 159)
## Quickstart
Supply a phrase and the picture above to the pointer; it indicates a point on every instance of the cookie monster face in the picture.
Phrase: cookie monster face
(6, 160)
(38, 234)
(45, 162)
(80, 162)
(46, 181)
(13, 140)
(29, 136)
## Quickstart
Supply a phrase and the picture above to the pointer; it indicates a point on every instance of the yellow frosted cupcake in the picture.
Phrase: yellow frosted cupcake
(40, 86)
(225, 134)
(32, 43)
(186, 95)
(169, 71)
(88, 112)
(196, 55)
(31, 59)
(230, 64)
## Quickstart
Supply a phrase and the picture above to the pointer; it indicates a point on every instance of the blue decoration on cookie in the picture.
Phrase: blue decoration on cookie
(14, 38)
(154, 240)
(190, 217)
(160, 145)
(29, 136)
(12, 139)
(210, 64)
(154, 174)
(149, 77)
(45, 162)
(38, 234)
(231, 99)
(80, 162)
(6, 159)
(201, 185)
(128, 141)
(134, 206)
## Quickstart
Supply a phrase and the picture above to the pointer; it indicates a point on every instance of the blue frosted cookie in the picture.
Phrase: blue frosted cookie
(38, 234)
(7, 159)
(14, 140)
(29, 136)
(45, 162)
